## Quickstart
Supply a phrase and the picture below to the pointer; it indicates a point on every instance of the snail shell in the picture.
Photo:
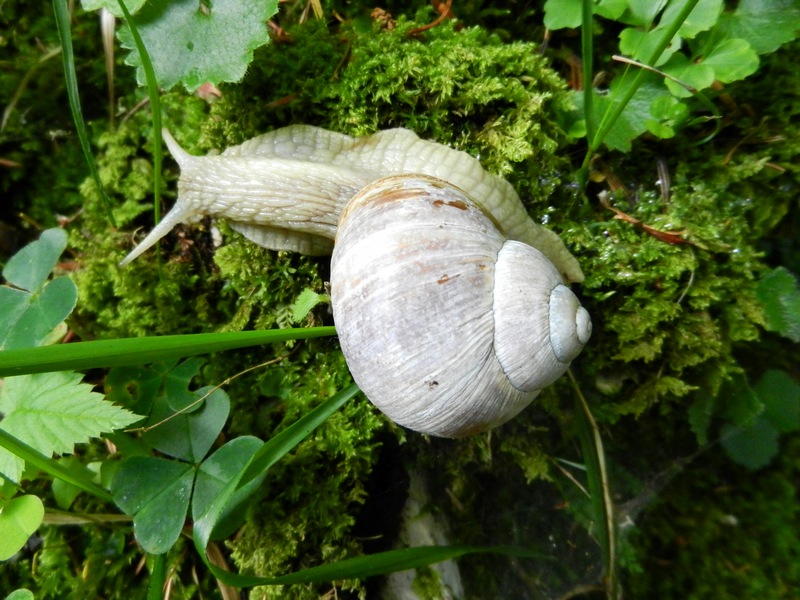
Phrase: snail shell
(448, 327)
(450, 306)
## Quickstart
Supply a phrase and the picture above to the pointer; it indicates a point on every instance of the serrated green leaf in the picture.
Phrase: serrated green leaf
(156, 492)
(779, 294)
(306, 301)
(752, 447)
(702, 18)
(51, 412)
(781, 398)
(765, 24)
(215, 473)
(732, 60)
(19, 518)
(188, 436)
(193, 43)
(562, 14)
(29, 268)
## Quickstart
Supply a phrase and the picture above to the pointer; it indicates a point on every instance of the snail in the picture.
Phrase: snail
(450, 303)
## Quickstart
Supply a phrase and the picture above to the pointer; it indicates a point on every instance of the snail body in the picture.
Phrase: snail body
(286, 189)
(449, 301)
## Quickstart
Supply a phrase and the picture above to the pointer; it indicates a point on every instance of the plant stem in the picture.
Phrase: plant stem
(611, 116)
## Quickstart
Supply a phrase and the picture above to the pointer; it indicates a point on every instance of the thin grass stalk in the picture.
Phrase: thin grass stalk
(616, 109)
(155, 112)
(138, 351)
(71, 78)
(53, 468)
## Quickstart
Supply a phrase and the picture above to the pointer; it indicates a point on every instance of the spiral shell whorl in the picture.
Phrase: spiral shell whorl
(416, 273)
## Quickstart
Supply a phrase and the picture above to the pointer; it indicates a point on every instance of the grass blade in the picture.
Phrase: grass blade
(359, 567)
(71, 78)
(155, 112)
(135, 351)
(50, 466)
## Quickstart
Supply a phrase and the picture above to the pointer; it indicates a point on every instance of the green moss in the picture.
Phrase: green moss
(719, 531)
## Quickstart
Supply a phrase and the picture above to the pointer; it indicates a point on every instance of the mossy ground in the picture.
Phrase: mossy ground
(672, 321)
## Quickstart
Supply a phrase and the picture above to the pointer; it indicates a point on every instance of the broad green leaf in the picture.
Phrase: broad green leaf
(38, 314)
(562, 14)
(19, 518)
(191, 42)
(188, 436)
(639, 44)
(780, 296)
(753, 446)
(697, 75)
(780, 395)
(156, 492)
(702, 18)
(13, 304)
(765, 24)
(699, 416)
(359, 567)
(644, 11)
(134, 387)
(611, 9)
(737, 402)
(215, 473)
(176, 384)
(65, 492)
(668, 108)
(29, 268)
(632, 122)
(20, 594)
(732, 60)
(51, 412)
(112, 6)
(659, 129)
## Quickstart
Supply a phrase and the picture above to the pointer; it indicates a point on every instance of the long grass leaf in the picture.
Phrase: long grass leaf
(71, 78)
(50, 466)
(359, 567)
(271, 452)
(155, 112)
(134, 351)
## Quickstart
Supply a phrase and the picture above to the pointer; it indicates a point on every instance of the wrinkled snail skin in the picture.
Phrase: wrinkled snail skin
(447, 326)
(286, 189)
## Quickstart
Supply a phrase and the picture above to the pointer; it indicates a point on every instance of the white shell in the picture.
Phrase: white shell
(420, 280)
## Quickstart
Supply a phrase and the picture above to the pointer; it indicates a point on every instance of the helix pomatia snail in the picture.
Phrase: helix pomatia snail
(448, 299)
